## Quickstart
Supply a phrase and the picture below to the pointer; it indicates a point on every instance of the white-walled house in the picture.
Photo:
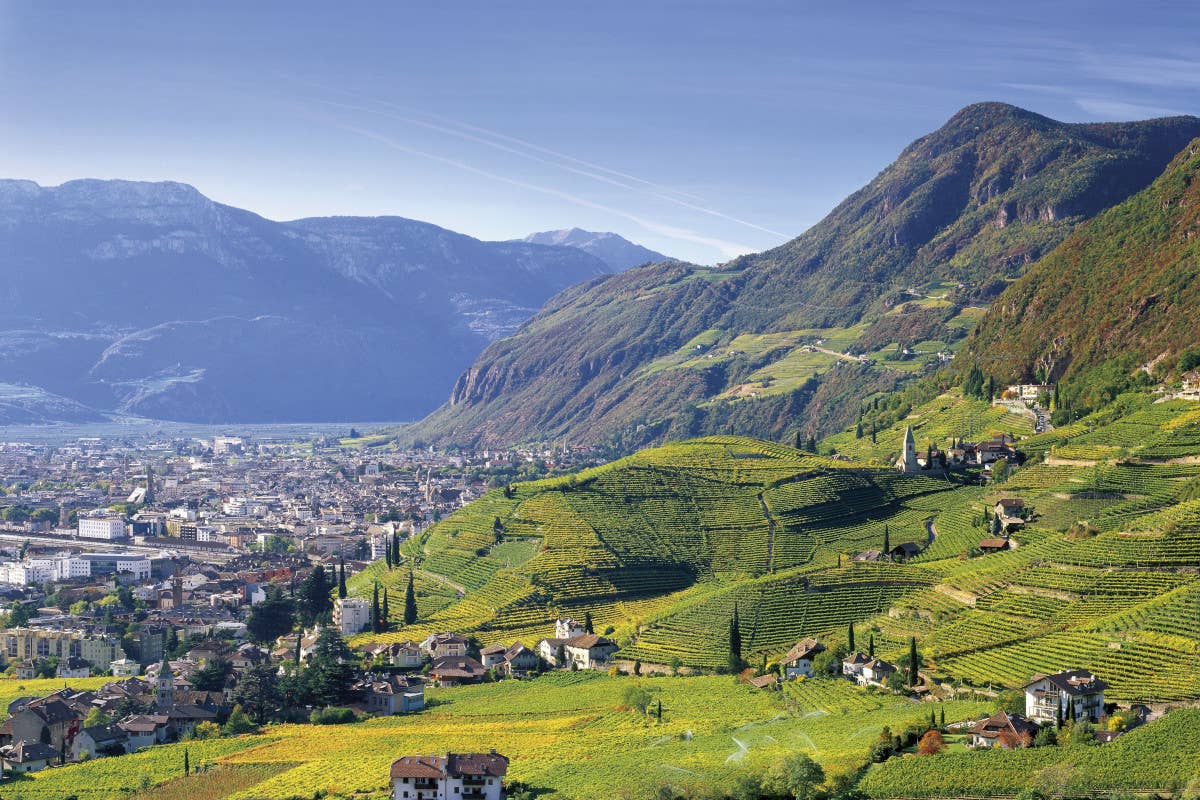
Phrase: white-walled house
(1075, 694)
(798, 661)
(449, 777)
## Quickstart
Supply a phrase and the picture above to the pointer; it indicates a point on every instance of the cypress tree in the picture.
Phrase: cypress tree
(387, 555)
(858, 430)
(384, 616)
(850, 637)
(887, 540)
(1059, 714)
(396, 549)
(735, 643)
(872, 432)
(187, 767)
(375, 608)
(299, 640)
(912, 661)
(660, 710)
(342, 578)
(871, 645)
(587, 622)
(932, 719)
(943, 717)
(410, 602)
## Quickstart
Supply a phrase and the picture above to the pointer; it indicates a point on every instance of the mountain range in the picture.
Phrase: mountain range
(786, 343)
(616, 251)
(151, 299)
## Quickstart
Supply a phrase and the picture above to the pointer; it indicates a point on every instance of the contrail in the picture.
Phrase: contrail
(497, 140)
(726, 248)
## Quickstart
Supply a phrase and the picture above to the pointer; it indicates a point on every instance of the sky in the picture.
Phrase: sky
(700, 129)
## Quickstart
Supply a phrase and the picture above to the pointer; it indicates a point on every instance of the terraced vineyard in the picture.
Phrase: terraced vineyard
(661, 546)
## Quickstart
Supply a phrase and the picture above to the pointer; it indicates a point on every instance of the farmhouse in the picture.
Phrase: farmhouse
(22, 756)
(1072, 694)
(443, 645)
(798, 661)
(452, 670)
(454, 775)
(1006, 730)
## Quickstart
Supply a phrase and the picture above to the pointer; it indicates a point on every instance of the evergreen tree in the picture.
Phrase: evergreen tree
(299, 642)
(850, 637)
(996, 528)
(914, 664)
(396, 549)
(858, 431)
(872, 431)
(187, 767)
(887, 540)
(316, 595)
(942, 715)
(375, 608)
(384, 615)
(932, 719)
(410, 602)
(587, 622)
(811, 444)
(660, 710)
(342, 578)
(735, 643)
(387, 555)
(871, 645)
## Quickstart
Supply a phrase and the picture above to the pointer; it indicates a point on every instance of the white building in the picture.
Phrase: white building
(449, 777)
(102, 524)
(1071, 695)
(351, 614)
(567, 628)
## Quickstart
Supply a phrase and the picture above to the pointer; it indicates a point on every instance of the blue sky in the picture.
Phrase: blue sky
(701, 129)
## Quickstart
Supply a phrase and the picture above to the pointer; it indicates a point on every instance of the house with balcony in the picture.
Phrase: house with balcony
(469, 776)
(1071, 694)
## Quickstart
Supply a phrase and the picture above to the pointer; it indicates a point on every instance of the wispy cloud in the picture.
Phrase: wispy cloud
(544, 155)
(1113, 109)
(1165, 72)
(727, 249)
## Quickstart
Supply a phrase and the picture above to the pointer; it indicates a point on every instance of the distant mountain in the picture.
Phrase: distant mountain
(616, 251)
(674, 350)
(151, 299)
(1115, 302)
(29, 405)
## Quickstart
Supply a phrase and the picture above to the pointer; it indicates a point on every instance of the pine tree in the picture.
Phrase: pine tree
(913, 663)
(342, 578)
(384, 616)
(735, 643)
(850, 637)
(410, 602)
(375, 609)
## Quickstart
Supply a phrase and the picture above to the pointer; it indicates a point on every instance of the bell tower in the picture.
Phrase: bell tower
(164, 687)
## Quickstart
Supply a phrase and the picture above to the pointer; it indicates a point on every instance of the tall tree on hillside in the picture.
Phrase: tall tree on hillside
(331, 671)
(387, 555)
(375, 608)
(871, 645)
(299, 645)
(268, 620)
(858, 431)
(914, 662)
(342, 578)
(410, 602)
(850, 637)
(384, 615)
(396, 549)
(735, 643)
(587, 622)
(316, 595)
(186, 762)
(887, 540)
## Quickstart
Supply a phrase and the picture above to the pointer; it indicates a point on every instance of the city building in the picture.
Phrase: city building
(351, 615)
(102, 524)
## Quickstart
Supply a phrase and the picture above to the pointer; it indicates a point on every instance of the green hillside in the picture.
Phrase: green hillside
(1118, 295)
(770, 344)
(660, 546)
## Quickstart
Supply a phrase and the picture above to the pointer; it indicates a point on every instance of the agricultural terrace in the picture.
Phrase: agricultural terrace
(660, 547)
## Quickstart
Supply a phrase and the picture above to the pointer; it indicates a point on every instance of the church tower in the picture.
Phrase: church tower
(164, 688)
(907, 463)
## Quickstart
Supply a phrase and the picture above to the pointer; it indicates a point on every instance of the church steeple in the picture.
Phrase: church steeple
(164, 687)
(907, 462)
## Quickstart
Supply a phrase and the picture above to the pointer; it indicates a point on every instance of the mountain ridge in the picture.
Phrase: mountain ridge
(967, 207)
(93, 262)
(611, 248)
